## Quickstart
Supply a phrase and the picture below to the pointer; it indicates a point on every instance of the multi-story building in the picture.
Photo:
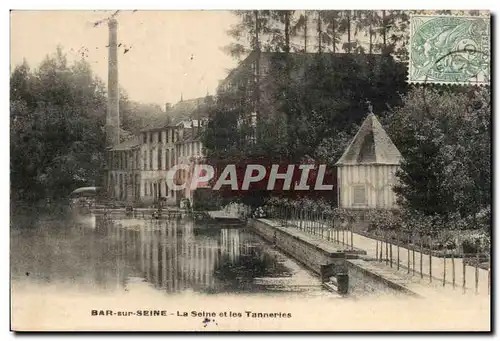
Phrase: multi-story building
(137, 168)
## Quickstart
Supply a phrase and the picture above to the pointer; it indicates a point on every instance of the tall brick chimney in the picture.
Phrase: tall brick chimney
(113, 112)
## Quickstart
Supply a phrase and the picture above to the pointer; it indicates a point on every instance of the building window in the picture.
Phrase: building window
(359, 195)
(159, 159)
(145, 160)
(137, 161)
(173, 136)
(167, 159)
(150, 137)
(166, 136)
(151, 159)
(159, 189)
(150, 188)
(159, 137)
(145, 138)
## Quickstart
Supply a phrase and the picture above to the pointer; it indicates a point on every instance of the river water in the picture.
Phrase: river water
(64, 268)
(172, 256)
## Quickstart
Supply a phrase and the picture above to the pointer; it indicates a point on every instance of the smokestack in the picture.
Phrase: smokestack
(113, 113)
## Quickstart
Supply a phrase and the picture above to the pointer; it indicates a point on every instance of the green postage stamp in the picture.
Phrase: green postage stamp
(448, 49)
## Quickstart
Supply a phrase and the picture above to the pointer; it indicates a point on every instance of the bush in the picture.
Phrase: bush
(470, 246)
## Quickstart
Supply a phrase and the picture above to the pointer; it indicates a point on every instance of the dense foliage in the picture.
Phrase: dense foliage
(301, 106)
(308, 107)
(56, 132)
(444, 136)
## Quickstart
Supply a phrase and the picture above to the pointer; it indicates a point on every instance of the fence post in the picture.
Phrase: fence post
(329, 227)
(386, 248)
(352, 236)
(489, 273)
(421, 256)
(444, 268)
(381, 247)
(408, 254)
(464, 272)
(390, 252)
(430, 258)
(322, 226)
(397, 241)
(453, 268)
(477, 273)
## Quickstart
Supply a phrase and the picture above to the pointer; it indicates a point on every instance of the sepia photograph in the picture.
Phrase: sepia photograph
(250, 170)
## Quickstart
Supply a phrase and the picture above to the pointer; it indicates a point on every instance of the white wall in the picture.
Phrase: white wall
(377, 181)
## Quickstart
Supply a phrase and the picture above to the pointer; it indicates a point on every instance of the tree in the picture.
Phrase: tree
(57, 135)
(444, 137)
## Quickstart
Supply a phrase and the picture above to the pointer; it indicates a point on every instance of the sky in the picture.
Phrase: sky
(170, 52)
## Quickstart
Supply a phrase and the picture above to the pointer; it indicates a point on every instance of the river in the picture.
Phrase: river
(71, 266)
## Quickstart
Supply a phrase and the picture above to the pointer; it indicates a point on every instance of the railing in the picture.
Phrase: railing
(411, 253)
(323, 224)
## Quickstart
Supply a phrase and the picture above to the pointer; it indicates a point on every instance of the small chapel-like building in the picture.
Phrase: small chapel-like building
(366, 170)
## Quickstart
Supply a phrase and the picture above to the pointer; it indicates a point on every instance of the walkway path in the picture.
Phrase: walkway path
(418, 283)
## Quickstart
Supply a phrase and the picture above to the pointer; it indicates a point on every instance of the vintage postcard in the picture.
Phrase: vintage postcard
(250, 170)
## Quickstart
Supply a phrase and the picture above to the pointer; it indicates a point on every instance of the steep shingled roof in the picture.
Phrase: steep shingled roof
(371, 145)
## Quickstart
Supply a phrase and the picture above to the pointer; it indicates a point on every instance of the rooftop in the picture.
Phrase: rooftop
(371, 145)
(185, 109)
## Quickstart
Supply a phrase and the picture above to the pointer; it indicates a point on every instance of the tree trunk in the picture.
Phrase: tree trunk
(287, 32)
(257, 67)
(305, 31)
(371, 36)
(384, 33)
(348, 31)
(319, 32)
(333, 32)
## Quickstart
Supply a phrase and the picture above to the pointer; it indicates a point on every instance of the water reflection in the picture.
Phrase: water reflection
(171, 256)
(175, 256)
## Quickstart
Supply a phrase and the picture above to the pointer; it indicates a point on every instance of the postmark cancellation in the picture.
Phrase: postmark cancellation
(448, 49)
